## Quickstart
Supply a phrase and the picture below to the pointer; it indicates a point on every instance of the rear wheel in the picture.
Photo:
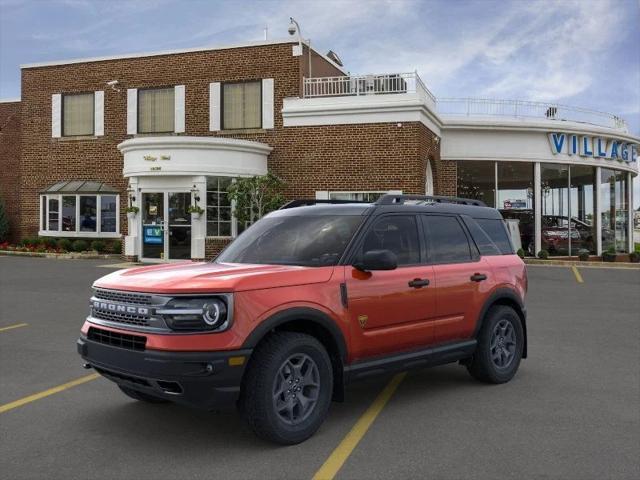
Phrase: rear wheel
(500, 343)
(141, 396)
(287, 389)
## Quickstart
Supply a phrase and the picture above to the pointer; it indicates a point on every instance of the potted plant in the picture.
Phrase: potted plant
(196, 211)
(520, 253)
(583, 255)
(609, 255)
(132, 211)
(543, 254)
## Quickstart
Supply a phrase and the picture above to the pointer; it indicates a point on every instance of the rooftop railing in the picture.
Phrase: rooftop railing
(526, 109)
(399, 83)
(356, 85)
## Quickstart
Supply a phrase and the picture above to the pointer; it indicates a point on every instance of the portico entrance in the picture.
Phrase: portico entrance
(166, 226)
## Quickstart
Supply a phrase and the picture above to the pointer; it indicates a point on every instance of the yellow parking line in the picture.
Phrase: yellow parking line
(11, 327)
(340, 455)
(577, 274)
(37, 396)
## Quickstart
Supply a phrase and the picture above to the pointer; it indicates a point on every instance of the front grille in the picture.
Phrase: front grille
(115, 339)
(128, 318)
(124, 297)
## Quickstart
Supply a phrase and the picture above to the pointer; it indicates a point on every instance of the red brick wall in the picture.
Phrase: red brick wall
(10, 162)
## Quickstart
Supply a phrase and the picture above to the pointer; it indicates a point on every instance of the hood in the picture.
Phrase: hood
(190, 277)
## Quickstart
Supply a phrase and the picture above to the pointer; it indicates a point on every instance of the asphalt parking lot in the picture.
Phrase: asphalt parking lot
(572, 411)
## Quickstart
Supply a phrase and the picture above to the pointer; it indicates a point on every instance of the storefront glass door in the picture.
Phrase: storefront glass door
(166, 226)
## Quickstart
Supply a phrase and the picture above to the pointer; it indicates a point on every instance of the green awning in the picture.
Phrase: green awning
(80, 186)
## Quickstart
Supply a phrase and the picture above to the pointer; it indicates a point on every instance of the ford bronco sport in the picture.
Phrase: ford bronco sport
(309, 298)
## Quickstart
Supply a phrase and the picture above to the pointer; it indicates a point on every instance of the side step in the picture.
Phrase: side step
(428, 357)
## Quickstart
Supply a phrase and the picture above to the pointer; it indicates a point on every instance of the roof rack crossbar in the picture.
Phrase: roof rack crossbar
(401, 199)
(303, 202)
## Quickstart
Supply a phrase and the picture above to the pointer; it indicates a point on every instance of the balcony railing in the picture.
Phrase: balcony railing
(526, 109)
(382, 84)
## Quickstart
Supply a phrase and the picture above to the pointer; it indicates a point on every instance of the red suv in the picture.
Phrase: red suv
(310, 298)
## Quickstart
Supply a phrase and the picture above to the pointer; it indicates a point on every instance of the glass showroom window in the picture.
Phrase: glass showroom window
(356, 196)
(582, 206)
(242, 105)
(156, 110)
(516, 199)
(615, 220)
(79, 215)
(77, 114)
(219, 211)
(477, 180)
(556, 228)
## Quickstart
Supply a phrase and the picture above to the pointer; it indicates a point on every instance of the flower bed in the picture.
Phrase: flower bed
(44, 245)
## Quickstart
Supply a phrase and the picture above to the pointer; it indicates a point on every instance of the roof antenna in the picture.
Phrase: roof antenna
(266, 33)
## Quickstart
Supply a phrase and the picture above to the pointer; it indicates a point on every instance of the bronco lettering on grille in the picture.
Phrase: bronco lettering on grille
(117, 308)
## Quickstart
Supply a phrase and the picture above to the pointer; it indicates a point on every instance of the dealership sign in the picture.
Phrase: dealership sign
(596, 147)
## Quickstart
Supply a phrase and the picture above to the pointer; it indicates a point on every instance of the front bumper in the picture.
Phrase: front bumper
(207, 380)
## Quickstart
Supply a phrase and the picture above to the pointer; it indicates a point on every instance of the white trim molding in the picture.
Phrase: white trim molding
(184, 155)
(132, 111)
(179, 111)
(268, 108)
(56, 115)
(98, 113)
(214, 107)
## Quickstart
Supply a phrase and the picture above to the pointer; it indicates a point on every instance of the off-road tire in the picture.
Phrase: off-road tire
(482, 366)
(141, 396)
(257, 403)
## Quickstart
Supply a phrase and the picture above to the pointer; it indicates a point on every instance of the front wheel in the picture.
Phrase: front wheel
(287, 389)
(500, 345)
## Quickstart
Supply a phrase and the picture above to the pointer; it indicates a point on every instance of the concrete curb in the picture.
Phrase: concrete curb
(62, 256)
(574, 263)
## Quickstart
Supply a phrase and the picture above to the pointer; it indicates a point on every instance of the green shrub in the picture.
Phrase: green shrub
(48, 242)
(98, 245)
(115, 246)
(79, 246)
(583, 255)
(28, 241)
(634, 257)
(65, 244)
(520, 253)
(609, 255)
(543, 254)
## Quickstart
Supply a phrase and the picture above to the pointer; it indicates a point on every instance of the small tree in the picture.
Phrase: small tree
(4, 223)
(256, 196)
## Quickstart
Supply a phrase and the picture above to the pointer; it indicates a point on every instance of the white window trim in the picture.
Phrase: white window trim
(179, 109)
(56, 115)
(215, 112)
(132, 111)
(77, 234)
(326, 195)
(98, 113)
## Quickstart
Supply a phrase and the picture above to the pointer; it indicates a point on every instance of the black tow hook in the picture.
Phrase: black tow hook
(87, 366)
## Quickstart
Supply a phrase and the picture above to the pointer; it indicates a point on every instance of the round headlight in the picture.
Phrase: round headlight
(211, 313)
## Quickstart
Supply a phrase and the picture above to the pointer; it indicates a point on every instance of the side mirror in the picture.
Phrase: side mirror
(377, 260)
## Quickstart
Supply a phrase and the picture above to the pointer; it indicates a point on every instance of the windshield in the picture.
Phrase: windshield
(312, 241)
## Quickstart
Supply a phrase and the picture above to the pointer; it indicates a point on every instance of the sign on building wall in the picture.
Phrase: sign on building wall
(595, 147)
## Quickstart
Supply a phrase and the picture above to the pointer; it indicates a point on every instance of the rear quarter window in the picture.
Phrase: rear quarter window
(496, 230)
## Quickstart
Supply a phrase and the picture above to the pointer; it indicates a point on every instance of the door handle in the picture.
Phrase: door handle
(478, 277)
(419, 282)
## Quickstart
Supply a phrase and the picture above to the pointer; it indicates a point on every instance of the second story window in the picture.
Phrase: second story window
(156, 110)
(242, 105)
(78, 114)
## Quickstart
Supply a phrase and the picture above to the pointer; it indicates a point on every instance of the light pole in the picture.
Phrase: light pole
(294, 28)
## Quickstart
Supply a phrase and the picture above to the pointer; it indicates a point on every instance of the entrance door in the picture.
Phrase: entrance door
(166, 226)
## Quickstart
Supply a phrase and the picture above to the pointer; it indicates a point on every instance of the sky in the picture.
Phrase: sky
(578, 52)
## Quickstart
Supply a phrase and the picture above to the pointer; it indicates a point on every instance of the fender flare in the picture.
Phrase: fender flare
(499, 296)
(296, 314)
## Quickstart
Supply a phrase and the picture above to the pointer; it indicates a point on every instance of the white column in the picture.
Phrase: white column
(199, 226)
(132, 246)
(630, 211)
(537, 188)
(598, 219)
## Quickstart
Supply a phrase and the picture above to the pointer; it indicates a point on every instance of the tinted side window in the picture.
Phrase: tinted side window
(480, 237)
(447, 240)
(497, 233)
(397, 233)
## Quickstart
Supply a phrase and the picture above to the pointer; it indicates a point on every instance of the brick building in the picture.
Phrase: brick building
(166, 130)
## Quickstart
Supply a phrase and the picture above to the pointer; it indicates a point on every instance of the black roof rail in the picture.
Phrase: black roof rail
(400, 200)
(303, 202)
